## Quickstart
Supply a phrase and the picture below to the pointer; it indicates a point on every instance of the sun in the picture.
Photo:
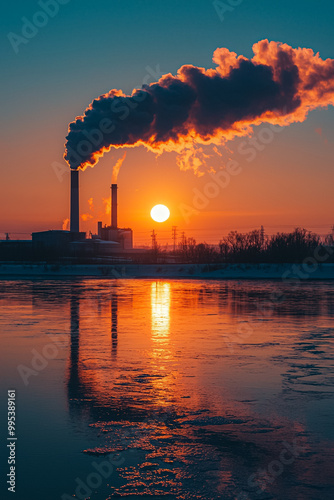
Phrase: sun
(160, 213)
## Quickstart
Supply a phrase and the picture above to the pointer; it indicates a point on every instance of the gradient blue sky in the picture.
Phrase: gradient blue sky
(89, 48)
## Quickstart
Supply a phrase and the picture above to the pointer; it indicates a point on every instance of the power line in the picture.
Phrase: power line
(174, 235)
(154, 239)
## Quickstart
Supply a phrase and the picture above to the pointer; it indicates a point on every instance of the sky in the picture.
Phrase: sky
(88, 48)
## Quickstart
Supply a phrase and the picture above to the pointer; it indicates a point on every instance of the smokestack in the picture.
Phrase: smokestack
(74, 227)
(114, 206)
(99, 228)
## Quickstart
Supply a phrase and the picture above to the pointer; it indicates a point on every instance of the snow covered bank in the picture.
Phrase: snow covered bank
(286, 272)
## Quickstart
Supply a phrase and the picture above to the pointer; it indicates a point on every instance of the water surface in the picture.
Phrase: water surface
(190, 389)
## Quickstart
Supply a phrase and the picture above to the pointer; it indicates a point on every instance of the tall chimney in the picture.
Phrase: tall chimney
(114, 206)
(74, 218)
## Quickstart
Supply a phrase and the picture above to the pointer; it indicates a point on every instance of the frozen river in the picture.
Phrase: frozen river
(186, 389)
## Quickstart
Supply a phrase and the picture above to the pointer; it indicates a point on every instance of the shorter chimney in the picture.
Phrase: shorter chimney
(99, 229)
(114, 206)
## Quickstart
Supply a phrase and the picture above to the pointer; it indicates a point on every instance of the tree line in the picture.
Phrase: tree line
(254, 247)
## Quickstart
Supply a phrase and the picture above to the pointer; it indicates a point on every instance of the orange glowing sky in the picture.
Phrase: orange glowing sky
(287, 184)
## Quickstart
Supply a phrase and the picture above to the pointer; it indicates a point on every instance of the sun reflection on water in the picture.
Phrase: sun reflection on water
(160, 310)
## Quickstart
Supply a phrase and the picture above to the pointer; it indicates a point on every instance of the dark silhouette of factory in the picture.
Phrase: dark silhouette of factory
(112, 233)
(110, 243)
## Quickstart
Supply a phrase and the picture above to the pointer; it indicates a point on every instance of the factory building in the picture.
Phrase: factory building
(110, 242)
(121, 237)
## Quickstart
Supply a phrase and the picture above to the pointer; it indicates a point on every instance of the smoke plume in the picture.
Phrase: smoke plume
(107, 205)
(90, 202)
(279, 85)
(116, 168)
(87, 216)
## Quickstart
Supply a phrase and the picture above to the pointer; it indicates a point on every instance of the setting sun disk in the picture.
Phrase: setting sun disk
(160, 213)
